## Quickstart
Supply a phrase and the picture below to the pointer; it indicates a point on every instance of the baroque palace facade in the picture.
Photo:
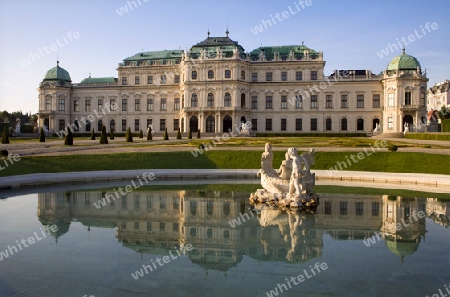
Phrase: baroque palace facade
(216, 85)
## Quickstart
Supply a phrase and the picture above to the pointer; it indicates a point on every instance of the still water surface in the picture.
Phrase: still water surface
(211, 243)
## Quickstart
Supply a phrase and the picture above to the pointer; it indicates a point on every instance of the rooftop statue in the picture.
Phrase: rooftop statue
(292, 185)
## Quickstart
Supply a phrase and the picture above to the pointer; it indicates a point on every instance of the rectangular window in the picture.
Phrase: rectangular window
(422, 99)
(376, 101)
(163, 104)
(344, 101)
(283, 124)
(328, 207)
(136, 125)
(136, 225)
(48, 104)
(62, 124)
(124, 81)
(313, 75)
(343, 208)
(329, 101)
(313, 101)
(124, 104)
(283, 76)
(76, 105)
(99, 104)
(391, 99)
(87, 106)
(268, 102)
(137, 104)
(149, 226)
(268, 76)
(176, 79)
(149, 123)
(359, 208)
(375, 209)
(194, 74)
(254, 102)
(124, 202)
(254, 77)
(112, 102)
(136, 202)
(298, 124)
(162, 227)
(176, 124)
(298, 102)
(62, 104)
(313, 124)
(227, 73)
(407, 98)
(162, 124)
(163, 79)
(390, 123)
(359, 101)
(299, 75)
(176, 104)
(137, 80)
(162, 202)
(254, 124)
(124, 125)
(150, 79)
(268, 124)
(149, 104)
(283, 102)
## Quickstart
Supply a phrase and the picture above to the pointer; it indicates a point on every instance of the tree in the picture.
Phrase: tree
(41, 135)
(68, 139)
(179, 134)
(190, 134)
(5, 138)
(149, 134)
(128, 135)
(166, 135)
(444, 113)
(198, 133)
(92, 135)
(103, 136)
(141, 134)
(111, 134)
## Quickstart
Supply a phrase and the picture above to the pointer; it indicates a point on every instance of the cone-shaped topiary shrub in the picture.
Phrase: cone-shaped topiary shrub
(68, 139)
(103, 136)
(166, 135)
(129, 135)
(41, 135)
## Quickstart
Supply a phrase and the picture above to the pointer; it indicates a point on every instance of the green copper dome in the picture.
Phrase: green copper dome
(57, 73)
(403, 62)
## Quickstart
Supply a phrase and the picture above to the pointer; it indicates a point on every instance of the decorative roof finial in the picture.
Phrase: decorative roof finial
(209, 33)
(227, 32)
(403, 50)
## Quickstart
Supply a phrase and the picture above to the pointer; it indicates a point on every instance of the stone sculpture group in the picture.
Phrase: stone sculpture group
(292, 185)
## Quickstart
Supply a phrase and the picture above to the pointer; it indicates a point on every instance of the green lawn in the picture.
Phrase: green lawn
(380, 161)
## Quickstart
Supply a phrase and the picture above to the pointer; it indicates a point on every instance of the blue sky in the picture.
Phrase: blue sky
(351, 34)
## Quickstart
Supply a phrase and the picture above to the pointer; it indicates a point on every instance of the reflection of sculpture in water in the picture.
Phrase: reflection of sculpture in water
(292, 185)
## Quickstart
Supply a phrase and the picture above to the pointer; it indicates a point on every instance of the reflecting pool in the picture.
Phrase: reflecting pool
(213, 243)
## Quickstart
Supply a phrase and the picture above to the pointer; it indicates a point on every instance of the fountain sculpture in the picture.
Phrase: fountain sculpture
(291, 186)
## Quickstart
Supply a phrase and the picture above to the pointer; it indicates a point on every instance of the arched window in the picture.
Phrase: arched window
(243, 100)
(243, 75)
(112, 125)
(328, 125)
(227, 73)
(210, 124)
(88, 126)
(227, 99)
(99, 125)
(360, 125)
(344, 124)
(193, 124)
(210, 102)
(210, 74)
(194, 100)
(194, 74)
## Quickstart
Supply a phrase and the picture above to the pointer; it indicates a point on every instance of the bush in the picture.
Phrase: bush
(190, 134)
(392, 148)
(111, 134)
(311, 135)
(92, 135)
(445, 125)
(428, 136)
(179, 134)
(103, 136)
(41, 135)
(198, 133)
(68, 139)
(27, 128)
(129, 135)
(4, 153)
(141, 134)
(166, 135)
(149, 134)
(5, 138)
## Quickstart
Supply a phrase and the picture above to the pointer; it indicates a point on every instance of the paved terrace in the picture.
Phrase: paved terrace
(408, 181)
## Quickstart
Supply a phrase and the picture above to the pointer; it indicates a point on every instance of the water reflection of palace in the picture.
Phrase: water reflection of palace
(155, 222)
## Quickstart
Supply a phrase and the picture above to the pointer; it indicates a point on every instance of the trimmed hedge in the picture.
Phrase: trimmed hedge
(445, 125)
(311, 135)
(428, 136)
